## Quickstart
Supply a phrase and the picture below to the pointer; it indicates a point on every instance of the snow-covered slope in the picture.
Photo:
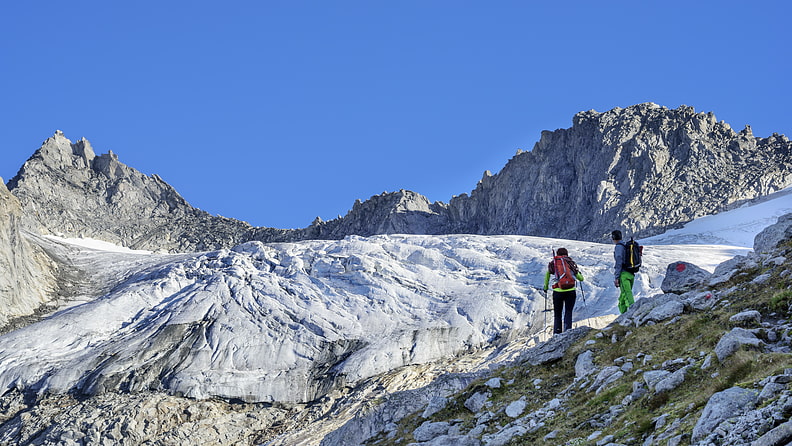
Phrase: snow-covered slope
(736, 227)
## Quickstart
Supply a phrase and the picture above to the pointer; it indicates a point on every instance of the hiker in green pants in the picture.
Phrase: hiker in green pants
(622, 279)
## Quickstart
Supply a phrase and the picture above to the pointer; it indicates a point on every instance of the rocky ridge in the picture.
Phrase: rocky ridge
(643, 168)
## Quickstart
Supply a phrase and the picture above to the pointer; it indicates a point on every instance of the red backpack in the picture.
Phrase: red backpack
(564, 273)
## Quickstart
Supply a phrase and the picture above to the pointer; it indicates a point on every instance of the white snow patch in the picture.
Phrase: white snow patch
(99, 245)
(736, 227)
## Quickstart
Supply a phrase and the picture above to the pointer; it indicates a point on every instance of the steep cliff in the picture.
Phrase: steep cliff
(26, 279)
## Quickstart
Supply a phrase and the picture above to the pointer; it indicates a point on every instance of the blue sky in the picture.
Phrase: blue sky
(275, 112)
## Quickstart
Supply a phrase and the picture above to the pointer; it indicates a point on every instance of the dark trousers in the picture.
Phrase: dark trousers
(563, 303)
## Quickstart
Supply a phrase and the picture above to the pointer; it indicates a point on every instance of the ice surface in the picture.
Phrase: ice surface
(286, 322)
(291, 321)
(736, 227)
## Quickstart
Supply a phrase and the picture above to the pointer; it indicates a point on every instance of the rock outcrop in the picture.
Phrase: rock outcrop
(643, 169)
(26, 280)
(681, 277)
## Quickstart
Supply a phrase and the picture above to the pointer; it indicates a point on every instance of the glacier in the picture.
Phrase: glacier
(291, 322)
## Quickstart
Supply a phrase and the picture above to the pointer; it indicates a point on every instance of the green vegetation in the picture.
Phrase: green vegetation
(781, 301)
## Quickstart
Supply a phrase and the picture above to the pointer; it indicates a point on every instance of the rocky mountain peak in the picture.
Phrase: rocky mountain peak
(65, 188)
(644, 168)
(56, 150)
(398, 212)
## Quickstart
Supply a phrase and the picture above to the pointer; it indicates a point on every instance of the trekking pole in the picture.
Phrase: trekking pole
(548, 329)
(544, 312)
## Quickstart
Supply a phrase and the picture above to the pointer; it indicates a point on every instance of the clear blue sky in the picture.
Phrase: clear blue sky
(275, 112)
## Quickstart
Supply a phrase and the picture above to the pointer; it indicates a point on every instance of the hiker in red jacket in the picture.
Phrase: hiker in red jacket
(565, 272)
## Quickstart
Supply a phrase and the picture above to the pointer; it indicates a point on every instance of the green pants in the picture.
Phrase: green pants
(626, 280)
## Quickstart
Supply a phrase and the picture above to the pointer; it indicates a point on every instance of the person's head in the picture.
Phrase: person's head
(616, 236)
(562, 252)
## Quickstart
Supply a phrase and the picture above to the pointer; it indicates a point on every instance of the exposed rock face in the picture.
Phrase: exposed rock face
(721, 406)
(26, 278)
(773, 235)
(402, 212)
(66, 189)
(642, 169)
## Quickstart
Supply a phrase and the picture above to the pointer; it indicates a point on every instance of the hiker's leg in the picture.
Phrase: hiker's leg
(625, 291)
(558, 307)
(569, 305)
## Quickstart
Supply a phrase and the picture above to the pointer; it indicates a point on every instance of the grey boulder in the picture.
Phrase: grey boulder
(682, 277)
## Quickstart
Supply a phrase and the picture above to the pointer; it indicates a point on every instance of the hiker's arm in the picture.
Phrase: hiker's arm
(618, 257)
(547, 279)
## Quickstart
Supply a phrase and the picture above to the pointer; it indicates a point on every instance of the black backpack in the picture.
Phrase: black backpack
(632, 256)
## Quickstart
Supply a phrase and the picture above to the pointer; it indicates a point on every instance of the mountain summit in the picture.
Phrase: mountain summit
(644, 169)
(66, 189)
